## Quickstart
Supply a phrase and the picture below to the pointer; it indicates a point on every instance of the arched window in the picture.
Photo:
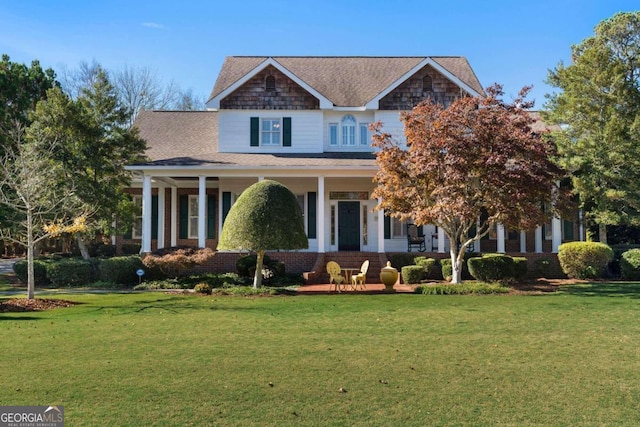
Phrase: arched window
(348, 130)
(270, 84)
(427, 83)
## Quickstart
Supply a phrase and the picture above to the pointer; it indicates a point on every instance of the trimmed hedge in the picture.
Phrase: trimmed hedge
(630, 264)
(120, 269)
(584, 260)
(399, 260)
(447, 271)
(432, 270)
(412, 274)
(462, 289)
(492, 267)
(39, 271)
(70, 272)
(520, 268)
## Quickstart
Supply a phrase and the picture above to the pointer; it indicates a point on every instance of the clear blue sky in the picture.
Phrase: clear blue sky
(514, 43)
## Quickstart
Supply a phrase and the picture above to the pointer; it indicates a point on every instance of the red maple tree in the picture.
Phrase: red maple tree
(478, 157)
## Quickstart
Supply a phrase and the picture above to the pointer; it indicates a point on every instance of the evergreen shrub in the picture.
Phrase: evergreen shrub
(584, 260)
(120, 269)
(432, 270)
(70, 272)
(492, 267)
(412, 274)
(20, 268)
(630, 264)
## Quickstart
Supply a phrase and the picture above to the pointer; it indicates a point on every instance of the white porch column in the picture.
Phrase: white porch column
(500, 237)
(440, 240)
(202, 204)
(161, 207)
(523, 241)
(174, 216)
(320, 216)
(556, 234)
(380, 228)
(146, 214)
(538, 243)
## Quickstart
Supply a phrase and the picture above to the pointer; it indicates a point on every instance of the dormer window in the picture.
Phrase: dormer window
(270, 84)
(427, 84)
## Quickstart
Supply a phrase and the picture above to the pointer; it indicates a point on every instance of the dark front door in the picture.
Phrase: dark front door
(348, 226)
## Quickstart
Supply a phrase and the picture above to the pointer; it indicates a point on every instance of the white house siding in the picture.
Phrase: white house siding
(391, 124)
(234, 130)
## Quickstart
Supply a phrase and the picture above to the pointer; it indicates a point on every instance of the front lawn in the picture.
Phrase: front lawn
(571, 358)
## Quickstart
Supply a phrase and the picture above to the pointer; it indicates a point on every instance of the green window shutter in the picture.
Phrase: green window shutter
(211, 217)
(154, 216)
(286, 131)
(226, 204)
(183, 216)
(568, 230)
(255, 131)
(387, 227)
(311, 214)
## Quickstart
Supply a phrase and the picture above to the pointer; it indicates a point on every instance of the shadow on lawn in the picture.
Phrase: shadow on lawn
(603, 289)
(175, 304)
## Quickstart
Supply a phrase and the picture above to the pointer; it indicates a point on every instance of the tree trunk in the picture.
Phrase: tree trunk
(82, 245)
(602, 232)
(456, 265)
(31, 281)
(257, 277)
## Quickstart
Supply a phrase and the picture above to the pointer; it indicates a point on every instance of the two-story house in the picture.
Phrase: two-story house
(302, 121)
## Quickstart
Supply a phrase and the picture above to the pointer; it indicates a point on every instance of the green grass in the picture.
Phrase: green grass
(566, 359)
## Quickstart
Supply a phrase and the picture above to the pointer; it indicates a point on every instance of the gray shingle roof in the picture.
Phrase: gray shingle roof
(345, 81)
(190, 138)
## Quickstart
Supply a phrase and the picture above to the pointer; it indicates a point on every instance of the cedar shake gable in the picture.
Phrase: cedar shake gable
(346, 81)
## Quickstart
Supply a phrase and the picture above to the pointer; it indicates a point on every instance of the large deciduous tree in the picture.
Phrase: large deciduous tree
(478, 157)
(599, 106)
(31, 187)
(265, 216)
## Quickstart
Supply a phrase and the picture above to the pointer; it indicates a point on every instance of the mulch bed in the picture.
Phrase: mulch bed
(17, 305)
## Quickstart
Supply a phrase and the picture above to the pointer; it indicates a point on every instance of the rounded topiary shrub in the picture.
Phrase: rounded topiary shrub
(491, 267)
(412, 274)
(630, 264)
(39, 271)
(584, 260)
(432, 270)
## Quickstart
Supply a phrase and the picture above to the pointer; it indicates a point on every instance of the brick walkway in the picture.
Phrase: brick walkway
(371, 288)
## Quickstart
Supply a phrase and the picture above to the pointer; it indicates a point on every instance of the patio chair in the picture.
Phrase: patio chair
(415, 238)
(360, 278)
(335, 275)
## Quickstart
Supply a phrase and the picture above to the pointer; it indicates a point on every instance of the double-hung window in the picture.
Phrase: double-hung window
(193, 217)
(136, 229)
(333, 134)
(271, 132)
(365, 137)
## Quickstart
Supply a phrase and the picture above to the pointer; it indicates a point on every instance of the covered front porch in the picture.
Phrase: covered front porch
(186, 207)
